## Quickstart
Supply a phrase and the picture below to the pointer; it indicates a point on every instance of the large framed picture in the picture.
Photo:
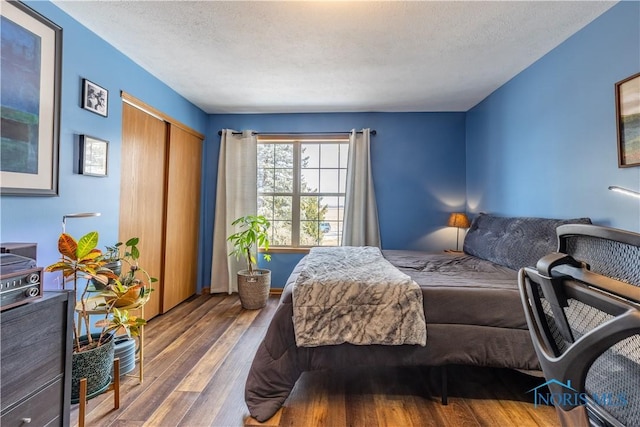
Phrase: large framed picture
(93, 156)
(628, 121)
(95, 98)
(30, 74)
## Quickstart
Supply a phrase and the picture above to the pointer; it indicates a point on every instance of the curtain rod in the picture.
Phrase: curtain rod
(373, 132)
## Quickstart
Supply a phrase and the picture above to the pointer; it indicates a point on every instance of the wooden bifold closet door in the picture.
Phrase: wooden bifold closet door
(183, 214)
(160, 200)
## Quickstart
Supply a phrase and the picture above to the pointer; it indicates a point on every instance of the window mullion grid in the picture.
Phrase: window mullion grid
(296, 194)
(295, 202)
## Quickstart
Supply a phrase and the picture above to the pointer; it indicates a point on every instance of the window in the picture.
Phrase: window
(301, 189)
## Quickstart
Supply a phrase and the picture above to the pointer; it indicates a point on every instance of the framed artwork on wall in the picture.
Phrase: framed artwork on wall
(95, 98)
(30, 74)
(93, 156)
(628, 121)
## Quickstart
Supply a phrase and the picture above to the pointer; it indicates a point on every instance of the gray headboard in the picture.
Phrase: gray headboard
(514, 242)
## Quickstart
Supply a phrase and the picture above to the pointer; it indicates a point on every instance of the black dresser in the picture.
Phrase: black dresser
(35, 361)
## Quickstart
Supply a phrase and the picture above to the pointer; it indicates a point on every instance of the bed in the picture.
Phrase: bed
(471, 305)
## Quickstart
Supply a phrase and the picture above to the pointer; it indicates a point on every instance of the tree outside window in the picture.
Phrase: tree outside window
(301, 190)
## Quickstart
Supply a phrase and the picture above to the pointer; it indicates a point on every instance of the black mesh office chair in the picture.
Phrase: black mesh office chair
(582, 306)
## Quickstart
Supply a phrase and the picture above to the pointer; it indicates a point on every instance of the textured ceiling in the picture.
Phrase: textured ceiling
(334, 56)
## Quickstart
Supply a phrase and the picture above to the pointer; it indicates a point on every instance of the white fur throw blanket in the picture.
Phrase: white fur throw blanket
(354, 295)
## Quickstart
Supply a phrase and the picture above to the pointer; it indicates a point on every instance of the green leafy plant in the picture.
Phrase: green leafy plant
(253, 234)
(115, 257)
(126, 292)
(113, 253)
(122, 319)
(82, 260)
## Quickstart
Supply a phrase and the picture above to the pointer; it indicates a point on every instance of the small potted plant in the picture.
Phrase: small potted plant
(129, 289)
(93, 352)
(253, 283)
(114, 258)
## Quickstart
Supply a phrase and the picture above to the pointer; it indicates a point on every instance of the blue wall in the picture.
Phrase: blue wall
(38, 219)
(545, 143)
(418, 167)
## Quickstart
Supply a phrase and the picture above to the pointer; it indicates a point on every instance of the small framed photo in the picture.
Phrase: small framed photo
(95, 98)
(628, 121)
(93, 156)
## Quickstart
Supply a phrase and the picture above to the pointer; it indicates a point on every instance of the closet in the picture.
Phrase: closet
(160, 199)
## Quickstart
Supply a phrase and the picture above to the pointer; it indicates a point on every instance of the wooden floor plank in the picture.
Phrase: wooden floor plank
(198, 358)
(222, 393)
(179, 357)
(198, 378)
(357, 390)
(233, 410)
(178, 327)
(173, 409)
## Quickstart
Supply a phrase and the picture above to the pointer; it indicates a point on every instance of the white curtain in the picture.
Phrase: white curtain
(236, 196)
(361, 226)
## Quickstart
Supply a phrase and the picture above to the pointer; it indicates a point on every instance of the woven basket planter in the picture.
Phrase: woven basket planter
(254, 289)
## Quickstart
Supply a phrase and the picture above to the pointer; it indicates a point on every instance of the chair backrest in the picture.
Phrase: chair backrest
(582, 306)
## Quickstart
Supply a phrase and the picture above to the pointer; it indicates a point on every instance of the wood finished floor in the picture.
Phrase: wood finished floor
(197, 358)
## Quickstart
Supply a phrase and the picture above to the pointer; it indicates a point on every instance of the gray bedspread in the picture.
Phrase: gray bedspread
(463, 289)
(351, 294)
(473, 314)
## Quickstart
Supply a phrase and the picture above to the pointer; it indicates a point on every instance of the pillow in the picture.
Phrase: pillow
(514, 242)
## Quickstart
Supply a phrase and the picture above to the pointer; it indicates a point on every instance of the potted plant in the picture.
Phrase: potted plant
(130, 291)
(253, 283)
(114, 258)
(93, 352)
(130, 288)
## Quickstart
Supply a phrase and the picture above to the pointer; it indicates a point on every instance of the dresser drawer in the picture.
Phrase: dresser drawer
(41, 409)
(32, 348)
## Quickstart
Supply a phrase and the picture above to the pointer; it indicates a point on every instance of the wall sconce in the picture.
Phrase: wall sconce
(77, 215)
(625, 191)
(458, 220)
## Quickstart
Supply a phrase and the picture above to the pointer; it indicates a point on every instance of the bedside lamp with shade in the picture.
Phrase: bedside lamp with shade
(458, 220)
